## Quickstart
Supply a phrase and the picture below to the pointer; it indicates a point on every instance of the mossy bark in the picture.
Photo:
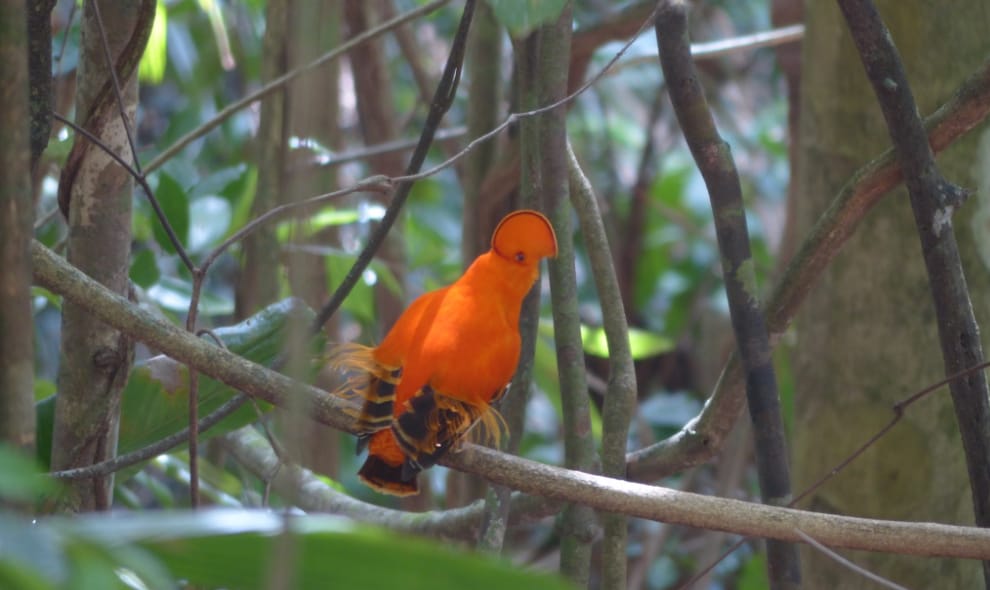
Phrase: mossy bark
(867, 335)
(16, 218)
(95, 358)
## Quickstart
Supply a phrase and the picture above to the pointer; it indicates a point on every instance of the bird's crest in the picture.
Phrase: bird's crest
(527, 233)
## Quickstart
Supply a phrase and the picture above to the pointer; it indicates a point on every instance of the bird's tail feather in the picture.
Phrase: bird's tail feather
(367, 382)
(388, 479)
(433, 423)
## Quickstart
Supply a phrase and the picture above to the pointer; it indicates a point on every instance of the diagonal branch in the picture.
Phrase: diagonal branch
(933, 200)
(701, 438)
(443, 98)
(714, 159)
(607, 494)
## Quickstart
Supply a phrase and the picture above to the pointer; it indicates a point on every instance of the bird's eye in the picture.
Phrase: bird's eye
(520, 257)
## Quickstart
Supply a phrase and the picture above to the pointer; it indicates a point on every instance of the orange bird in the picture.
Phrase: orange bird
(449, 356)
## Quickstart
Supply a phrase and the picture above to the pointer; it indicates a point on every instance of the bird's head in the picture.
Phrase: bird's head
(524, 237)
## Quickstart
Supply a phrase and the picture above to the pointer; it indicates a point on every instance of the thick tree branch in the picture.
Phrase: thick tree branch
(714, 159)
(301, 487)
(16, 228)
(552, 51)
(653, 503)
(933, 201)
(701, 438)
(620, 394)
(39, 29)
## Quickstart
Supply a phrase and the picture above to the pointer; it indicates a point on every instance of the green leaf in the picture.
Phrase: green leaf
(238, 549)
(520, 17)
(360, 302)
(326, 217)
(241, 193)
(212, 216)
(175, 205)
(175, 294)
(155, 401)
(23, 480)
(31, 556)
(642, 343)
(152, 66)
(753, 574)
(144, 269)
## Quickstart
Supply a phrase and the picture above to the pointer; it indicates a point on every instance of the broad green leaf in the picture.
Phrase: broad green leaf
(326, 217)
(753, 574)
(175, 205)
(23, 480)
(144, 268)
(152, 66)
(237, 549)
(241, 194)
(643, 344)
(360, 302)
(220, 182)
(211, 219)
(175, 294)
(31, 556)
(520, 17)
(155, 402)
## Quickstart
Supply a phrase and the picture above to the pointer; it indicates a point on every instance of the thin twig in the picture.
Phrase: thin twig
(723, 47)
(848, 564)
(933, 201)
(898, 408)
(141, 180)
(322, 161)
(284, 79)
(115, 83)
(443, 98)
(607, 494)
(153, 450)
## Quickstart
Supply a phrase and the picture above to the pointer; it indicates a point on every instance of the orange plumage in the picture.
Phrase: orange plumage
(450, 354)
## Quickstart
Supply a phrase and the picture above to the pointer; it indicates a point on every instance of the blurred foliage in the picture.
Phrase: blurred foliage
(206, 54)
(236, 549)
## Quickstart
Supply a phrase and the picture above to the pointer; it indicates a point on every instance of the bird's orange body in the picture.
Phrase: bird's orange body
(446, 359)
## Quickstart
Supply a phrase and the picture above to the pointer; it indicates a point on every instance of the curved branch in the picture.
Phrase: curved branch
(702, 437)
(301, 487)
(653, 503)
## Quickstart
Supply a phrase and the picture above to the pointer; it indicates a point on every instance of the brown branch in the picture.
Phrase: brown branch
(650, 502)
(302, 488)
(701, 438)
(153, 450)
(17, 417)
(933, 201)
(714, 159)
(39, 30)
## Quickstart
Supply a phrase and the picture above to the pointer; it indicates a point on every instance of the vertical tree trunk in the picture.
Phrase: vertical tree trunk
(314, 110)
(376, 112)
(16, 218)
(258, 285)
(95, 359)
(867, 336)
(484, 112)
